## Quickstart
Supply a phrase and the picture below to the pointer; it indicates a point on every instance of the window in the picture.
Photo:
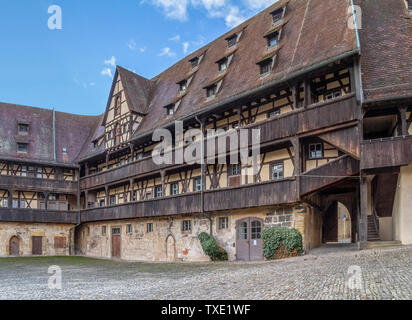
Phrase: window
(112, 200)
(39, 173)
(22, 147)
(158, 192)
(243, 231)
(211, 91)
(187, 226)
(266, 66)
(170, 110)
(15, 203)
(333, 95)
(116, 231)
(277, 171)
(174, 189)
(104, 230)
(274, 113)
(235, 169)
(102, 203)
(315, 151)
(409, 4)
(53, 197)
(194, 62)
(277, 15)
(23, 171)
(222, 65)
(149, 227)
(273, 40)
(223, 223)
(95, 144)
(231, 41)
(5, 203)
(117, 106)
(129, 229)
(22, 204)
(134, 196)
(23, 129)
(197, 184)
(183, 86)
(256, 229)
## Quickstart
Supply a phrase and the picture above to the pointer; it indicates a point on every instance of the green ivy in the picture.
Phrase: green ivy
(211, 248)
(273, 237)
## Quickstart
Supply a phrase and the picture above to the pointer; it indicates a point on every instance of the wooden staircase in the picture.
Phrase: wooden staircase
(373, 234)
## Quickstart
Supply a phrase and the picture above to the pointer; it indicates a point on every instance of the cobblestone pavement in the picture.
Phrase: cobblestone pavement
(322, 274)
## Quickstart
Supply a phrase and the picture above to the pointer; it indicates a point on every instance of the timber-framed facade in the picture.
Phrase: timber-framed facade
(335, 139)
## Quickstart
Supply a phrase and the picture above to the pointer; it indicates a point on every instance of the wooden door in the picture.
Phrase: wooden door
(14, 246)
(249, 239)
(116, 243)
(36, 246)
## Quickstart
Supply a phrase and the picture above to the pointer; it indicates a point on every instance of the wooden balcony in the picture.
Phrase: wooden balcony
(316, 117)
(328, 174)
(388, 152)
(248, 196)
(38, 216)
(37, 185)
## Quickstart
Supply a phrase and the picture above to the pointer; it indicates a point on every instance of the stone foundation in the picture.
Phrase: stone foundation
(56, 239)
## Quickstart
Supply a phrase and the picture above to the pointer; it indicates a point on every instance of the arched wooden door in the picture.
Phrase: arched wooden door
(249, 239)
(14, 246)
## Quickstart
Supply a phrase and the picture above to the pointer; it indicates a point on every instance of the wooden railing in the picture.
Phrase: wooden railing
(321, 115)
(247, 196)
(37, 184)
(387, 152)
(38, 216)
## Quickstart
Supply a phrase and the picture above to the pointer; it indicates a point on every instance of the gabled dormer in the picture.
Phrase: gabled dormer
(126, 107)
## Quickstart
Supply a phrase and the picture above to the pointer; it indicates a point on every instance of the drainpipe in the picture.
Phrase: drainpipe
(202, 169)
(54, 134)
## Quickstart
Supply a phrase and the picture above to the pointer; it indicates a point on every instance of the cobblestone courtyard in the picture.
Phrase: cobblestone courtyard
(386, 274)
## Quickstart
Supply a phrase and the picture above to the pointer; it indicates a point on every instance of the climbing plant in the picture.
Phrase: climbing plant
(211, 248)
(280, 242)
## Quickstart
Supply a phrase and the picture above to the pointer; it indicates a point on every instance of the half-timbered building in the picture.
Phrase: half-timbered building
(328, 84)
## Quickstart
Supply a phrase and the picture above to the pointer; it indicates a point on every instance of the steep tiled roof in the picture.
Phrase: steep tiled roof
(71, 131)
(316, 30)
(386, 44)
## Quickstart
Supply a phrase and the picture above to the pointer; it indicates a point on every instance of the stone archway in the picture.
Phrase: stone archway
(14, 246)
(337, 224)
(170, 248)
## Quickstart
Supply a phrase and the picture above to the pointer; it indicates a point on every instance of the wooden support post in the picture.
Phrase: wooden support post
(46, 200)
(295, 96)
(86, 199)
(403, 124)
(107, 160)
(308, 93)
(239, 116)
(10, 204)
(86, 169)
(131, 181)
(363, 221)
(297, 164)
(162, 175)
(107, 195)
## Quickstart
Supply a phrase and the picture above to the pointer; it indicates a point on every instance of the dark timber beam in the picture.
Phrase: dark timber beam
(363, 222)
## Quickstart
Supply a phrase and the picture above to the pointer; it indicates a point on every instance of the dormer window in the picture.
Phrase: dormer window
(183, 86)
(222, 65)
(231, 41)
(194, 62)
(273, 39)
(211, 91)
(266, 66)
(22, 147)
(277, 15)
(23, 129)
(64, 150)
(170, 110)
(409, 4)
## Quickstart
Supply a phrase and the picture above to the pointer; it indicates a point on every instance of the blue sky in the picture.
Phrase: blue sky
(71, 69)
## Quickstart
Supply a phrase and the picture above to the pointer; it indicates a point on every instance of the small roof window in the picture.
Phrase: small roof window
(22, 147)
(211, 91)
(194, 62)
(232, 40)
(23, 128)
(277, 15)
(170, 110)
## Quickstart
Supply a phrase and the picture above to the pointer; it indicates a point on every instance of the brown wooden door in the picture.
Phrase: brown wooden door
(116, 243)
(249, 239)
(36, 246)
(330, 224)
(14, 246)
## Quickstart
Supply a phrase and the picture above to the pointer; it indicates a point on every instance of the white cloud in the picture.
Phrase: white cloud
(175, 38)
(174, 9)
(185, 47)
(110, 62)
(167, 52)
(107, 72)
(258, 4)
(131, 44)
(143, 49)
(233, 17)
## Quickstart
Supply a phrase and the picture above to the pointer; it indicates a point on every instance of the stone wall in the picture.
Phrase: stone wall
(168, 242)
(50, 233)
